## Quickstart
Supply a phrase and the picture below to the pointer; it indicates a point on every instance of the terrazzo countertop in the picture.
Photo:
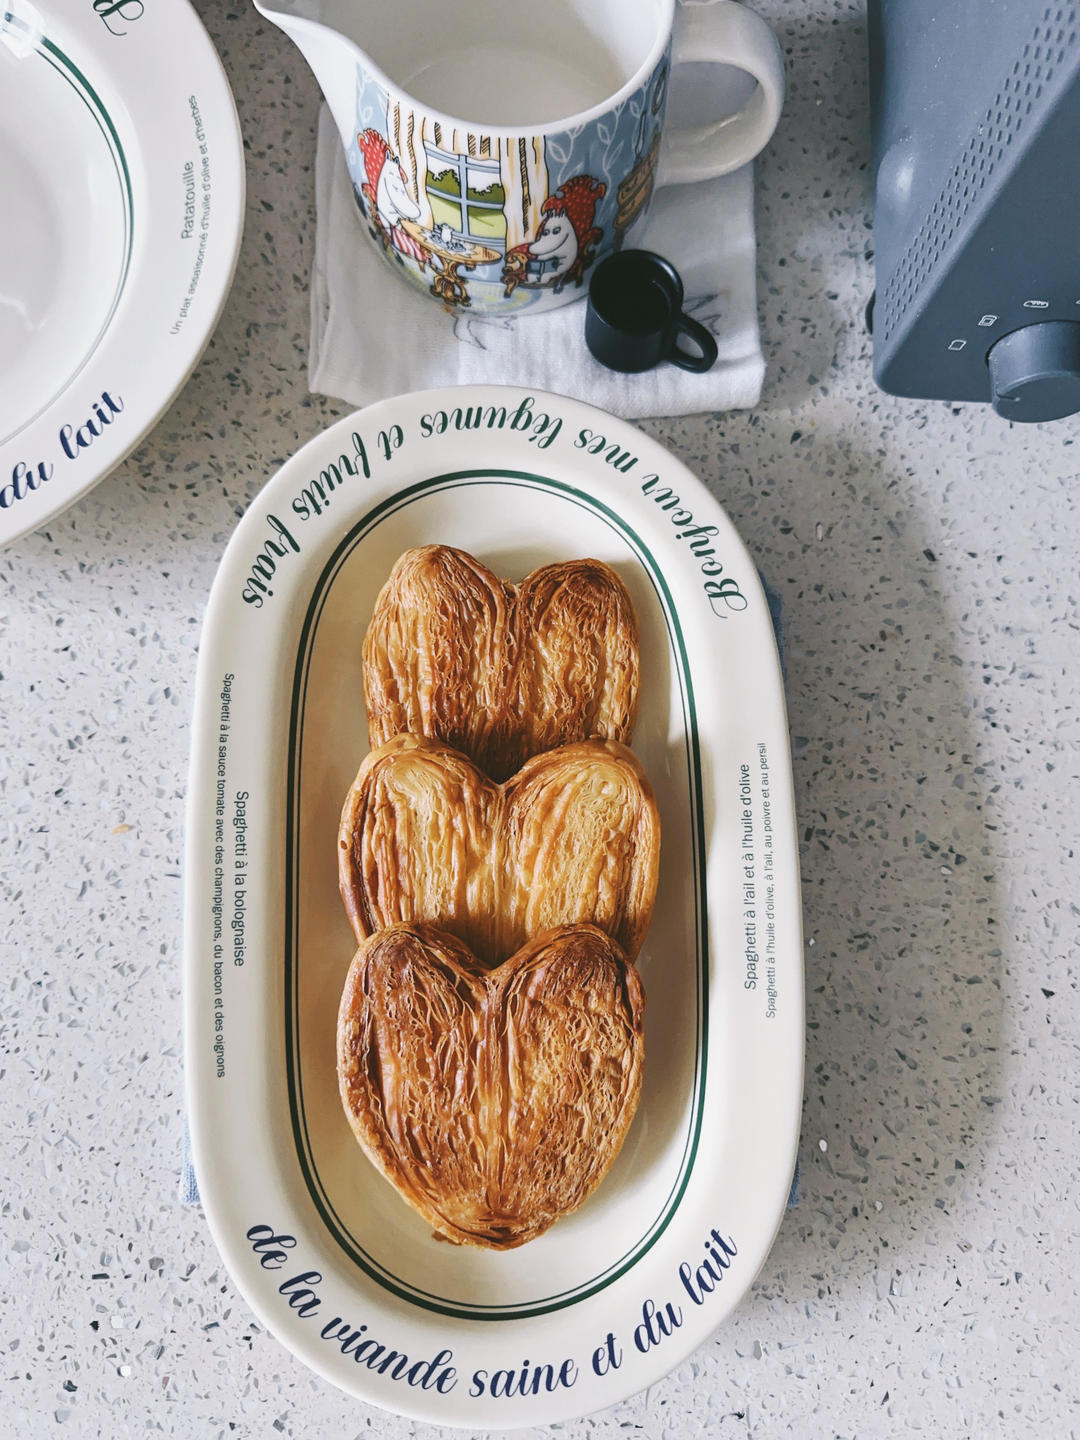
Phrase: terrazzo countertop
(927, 556)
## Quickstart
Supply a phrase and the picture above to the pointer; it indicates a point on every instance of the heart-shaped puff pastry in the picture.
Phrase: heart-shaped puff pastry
(500, 671)
(573, 838)
(494, 1102)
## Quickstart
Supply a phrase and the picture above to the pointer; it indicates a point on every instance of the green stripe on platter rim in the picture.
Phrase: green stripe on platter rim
(337, 1228)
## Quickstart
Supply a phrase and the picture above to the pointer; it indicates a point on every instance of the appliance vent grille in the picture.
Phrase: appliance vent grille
(1051, 42)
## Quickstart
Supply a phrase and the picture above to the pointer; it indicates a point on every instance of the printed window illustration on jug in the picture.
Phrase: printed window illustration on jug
(467, 194)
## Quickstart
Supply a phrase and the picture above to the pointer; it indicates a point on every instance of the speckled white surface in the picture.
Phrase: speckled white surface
(928, 560)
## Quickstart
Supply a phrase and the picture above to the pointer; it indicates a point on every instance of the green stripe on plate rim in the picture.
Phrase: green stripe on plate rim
(334, 1224)
(67, 68)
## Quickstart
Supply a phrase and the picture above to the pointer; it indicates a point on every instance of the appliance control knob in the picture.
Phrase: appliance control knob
(1035, 372)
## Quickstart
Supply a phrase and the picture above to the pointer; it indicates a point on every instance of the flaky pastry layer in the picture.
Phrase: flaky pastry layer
(500, 671)
(495, 1102)
(572, 838)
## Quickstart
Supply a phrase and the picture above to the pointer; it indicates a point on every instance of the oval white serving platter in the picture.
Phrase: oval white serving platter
(122, 169)
(329, 1257)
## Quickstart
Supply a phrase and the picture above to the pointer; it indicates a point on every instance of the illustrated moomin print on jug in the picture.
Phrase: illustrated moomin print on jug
(560, 136)
(491, 221)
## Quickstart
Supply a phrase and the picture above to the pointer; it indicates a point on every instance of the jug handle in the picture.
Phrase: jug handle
(724, 32)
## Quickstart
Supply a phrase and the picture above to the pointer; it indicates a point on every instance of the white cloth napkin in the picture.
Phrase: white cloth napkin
(373, 335)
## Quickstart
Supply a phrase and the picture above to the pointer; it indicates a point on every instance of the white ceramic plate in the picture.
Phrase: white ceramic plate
(337, 1266)
(122, 172)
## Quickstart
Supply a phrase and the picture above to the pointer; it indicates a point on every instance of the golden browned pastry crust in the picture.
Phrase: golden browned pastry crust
(500, 671)
(494, 1102)
(427, 839)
